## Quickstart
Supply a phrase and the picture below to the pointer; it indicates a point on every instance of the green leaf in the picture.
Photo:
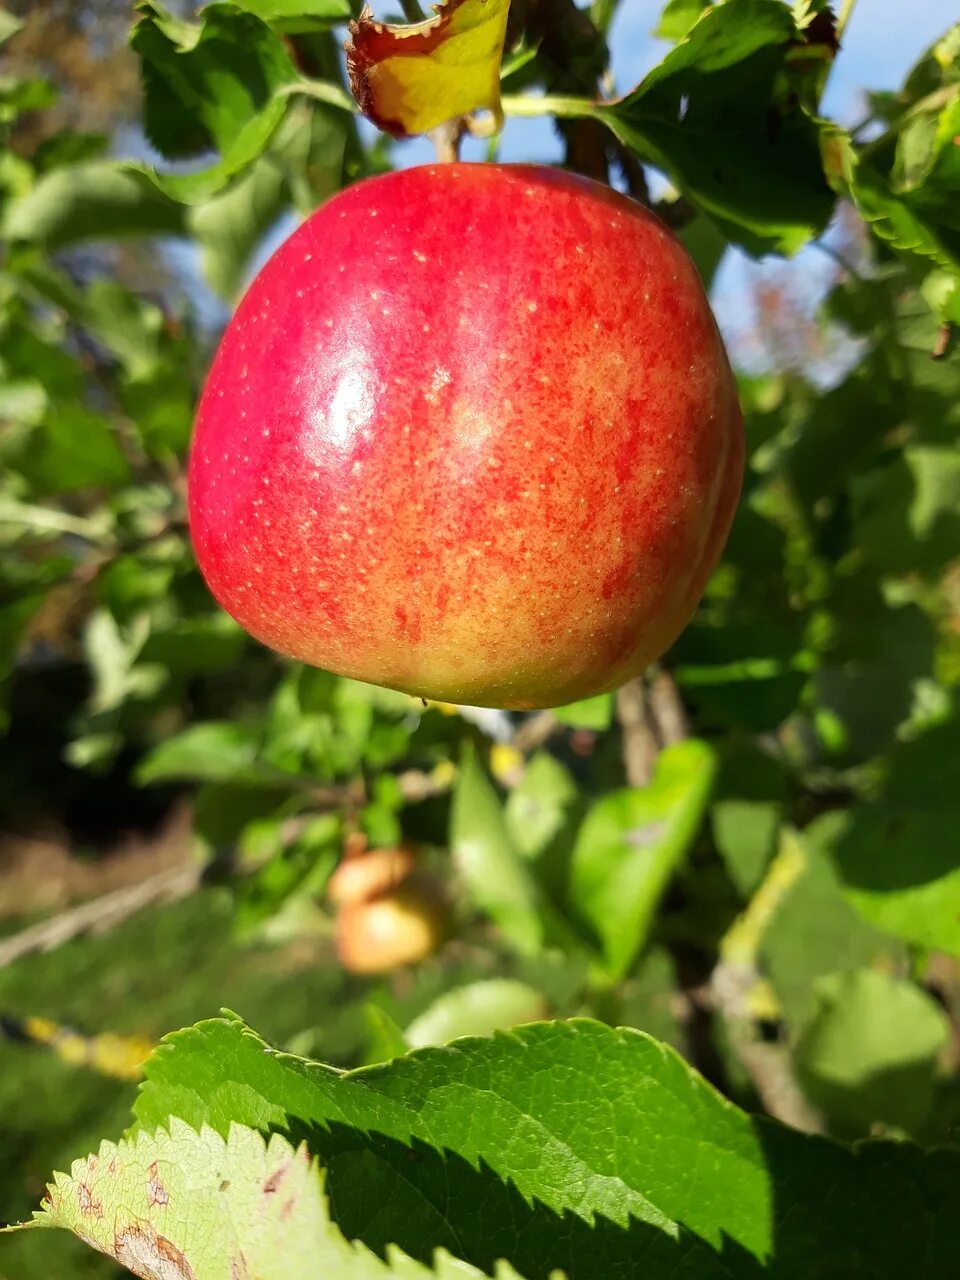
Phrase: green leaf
(477, 1009)
(230, 225)
(716, 115)
(588, 713)
(896, 858)
(210, 87)
(907, 514)
(386, 1037)
(215, 752)
(569, 1145)
(914, 208)
(538, 807)
(76, 449)
(630, 845)
(747, 813)
(18, 96)
(705, 245)
(128, 326)
(96, 201)
(193, 1205)
(869, 1053)
(649, 1140)
(289, 868)
(678, 17)
(299, 15)
(497, 880)
(815, 932)
(9, 25)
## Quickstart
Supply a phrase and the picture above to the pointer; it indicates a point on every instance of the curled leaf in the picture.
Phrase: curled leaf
(409, 79)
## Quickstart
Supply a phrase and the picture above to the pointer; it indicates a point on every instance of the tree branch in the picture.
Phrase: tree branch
(641, 743)
(101, 913)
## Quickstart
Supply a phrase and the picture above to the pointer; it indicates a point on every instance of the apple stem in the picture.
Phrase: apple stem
(446, 140)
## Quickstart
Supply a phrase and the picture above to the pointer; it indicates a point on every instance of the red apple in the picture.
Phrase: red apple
(472, 434)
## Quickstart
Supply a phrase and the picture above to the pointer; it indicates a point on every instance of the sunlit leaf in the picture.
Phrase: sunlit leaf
(630, 845)
(496, 877)
(477, 1009)
(182, 1205)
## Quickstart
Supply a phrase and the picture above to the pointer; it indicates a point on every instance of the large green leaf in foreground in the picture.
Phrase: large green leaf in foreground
(569, 1146)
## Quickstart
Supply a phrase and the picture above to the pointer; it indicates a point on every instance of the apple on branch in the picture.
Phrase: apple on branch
(472, 434)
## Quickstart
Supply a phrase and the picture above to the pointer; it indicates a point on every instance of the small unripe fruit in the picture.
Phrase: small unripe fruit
(472, 434)
(366, 875)
(393, 930)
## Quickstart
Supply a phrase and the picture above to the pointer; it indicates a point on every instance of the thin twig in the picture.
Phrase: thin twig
(736, 979)
(640, 742)
(843, 17)
(446, 140)
(534, 732)
(667, 709)
(101, 913)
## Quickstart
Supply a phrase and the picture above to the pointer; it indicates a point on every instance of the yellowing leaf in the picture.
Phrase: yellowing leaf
(183, 1205)
(410, 79)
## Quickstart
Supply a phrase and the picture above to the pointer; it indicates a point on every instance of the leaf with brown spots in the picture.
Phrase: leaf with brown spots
(182, 1205)
(409, 79)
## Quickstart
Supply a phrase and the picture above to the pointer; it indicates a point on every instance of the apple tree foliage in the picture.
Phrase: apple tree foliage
(777, 906)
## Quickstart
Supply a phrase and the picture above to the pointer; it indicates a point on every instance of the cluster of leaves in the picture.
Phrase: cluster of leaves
(471, 1161)
(782, 899)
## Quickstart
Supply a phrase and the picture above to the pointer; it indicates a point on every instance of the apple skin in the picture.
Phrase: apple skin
(395, 929)
(471, 434)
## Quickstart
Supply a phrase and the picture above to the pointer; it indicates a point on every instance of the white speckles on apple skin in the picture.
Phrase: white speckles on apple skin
(461, 454)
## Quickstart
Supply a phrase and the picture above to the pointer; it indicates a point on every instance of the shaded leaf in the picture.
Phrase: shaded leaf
(897, 858)
(538, 807)
(815, 932)
(75, 448)
(230, 225)
(869, 1053)
(212, 87)
(747, 813)
(714, 116)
